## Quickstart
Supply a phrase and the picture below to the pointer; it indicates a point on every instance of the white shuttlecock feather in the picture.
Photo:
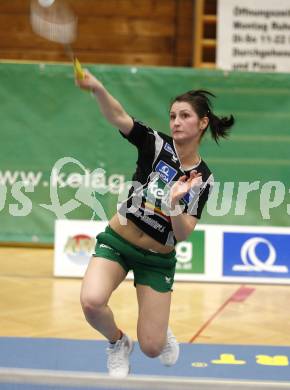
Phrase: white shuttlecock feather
(46, 3)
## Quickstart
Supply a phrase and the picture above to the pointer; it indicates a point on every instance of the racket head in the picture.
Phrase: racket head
(56, 23)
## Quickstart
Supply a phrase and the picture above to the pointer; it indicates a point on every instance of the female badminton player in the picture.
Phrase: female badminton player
(170, 187)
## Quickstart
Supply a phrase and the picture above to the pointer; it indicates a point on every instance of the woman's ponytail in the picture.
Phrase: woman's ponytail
(220, 127)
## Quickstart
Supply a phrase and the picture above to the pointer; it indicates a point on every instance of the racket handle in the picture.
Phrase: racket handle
(79, 72)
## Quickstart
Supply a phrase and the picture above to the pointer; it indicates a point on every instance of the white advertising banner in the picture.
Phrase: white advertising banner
(74, 244)
(212, 253)
(253, 35)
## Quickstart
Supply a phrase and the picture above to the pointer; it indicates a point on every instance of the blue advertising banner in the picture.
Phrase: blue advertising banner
(256, 255)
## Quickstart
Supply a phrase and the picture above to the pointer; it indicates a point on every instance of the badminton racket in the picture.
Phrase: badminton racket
(55, 21)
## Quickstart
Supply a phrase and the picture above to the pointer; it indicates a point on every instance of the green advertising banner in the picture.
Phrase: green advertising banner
(56, 149)
(190, 254)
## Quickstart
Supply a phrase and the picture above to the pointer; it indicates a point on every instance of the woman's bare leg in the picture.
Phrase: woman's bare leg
(102, 277)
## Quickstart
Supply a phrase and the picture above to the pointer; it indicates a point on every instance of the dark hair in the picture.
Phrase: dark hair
(200, 102)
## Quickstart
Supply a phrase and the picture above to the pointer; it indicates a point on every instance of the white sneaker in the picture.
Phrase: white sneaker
(170, 352)
(118, 357)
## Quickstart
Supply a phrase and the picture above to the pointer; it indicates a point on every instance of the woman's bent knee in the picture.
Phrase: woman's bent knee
(151, 348)
(92, 305)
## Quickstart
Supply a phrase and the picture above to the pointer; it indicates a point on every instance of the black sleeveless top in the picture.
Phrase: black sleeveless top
(158, 167)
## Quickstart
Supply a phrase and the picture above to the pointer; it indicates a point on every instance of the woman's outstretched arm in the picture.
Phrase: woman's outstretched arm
(109, 106)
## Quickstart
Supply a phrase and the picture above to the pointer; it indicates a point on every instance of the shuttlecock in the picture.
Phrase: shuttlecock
(46, 3)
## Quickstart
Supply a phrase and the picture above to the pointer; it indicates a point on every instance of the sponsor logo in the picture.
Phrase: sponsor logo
(174, 159)
(150, 221)
(155, 190)
(105, 246)
(168, 148)
(257, 255)
(190, 195)
(108, 247)
(168, 279)
(166, 172)
(79, 248)
(253, 263)
(184, 253)
(190, 254)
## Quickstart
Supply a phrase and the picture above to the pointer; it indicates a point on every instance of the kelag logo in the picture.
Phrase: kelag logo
(190, 254)
(256, 255)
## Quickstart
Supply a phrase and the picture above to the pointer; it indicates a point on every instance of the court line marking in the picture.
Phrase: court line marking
(97, 380)
(240, 295)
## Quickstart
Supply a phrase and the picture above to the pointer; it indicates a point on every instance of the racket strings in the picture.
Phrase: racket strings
(56, 23)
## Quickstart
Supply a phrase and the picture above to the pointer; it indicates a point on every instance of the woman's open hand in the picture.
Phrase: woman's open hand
(183, 185)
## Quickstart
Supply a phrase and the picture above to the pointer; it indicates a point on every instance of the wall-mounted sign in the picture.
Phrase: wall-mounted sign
(253, 35)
